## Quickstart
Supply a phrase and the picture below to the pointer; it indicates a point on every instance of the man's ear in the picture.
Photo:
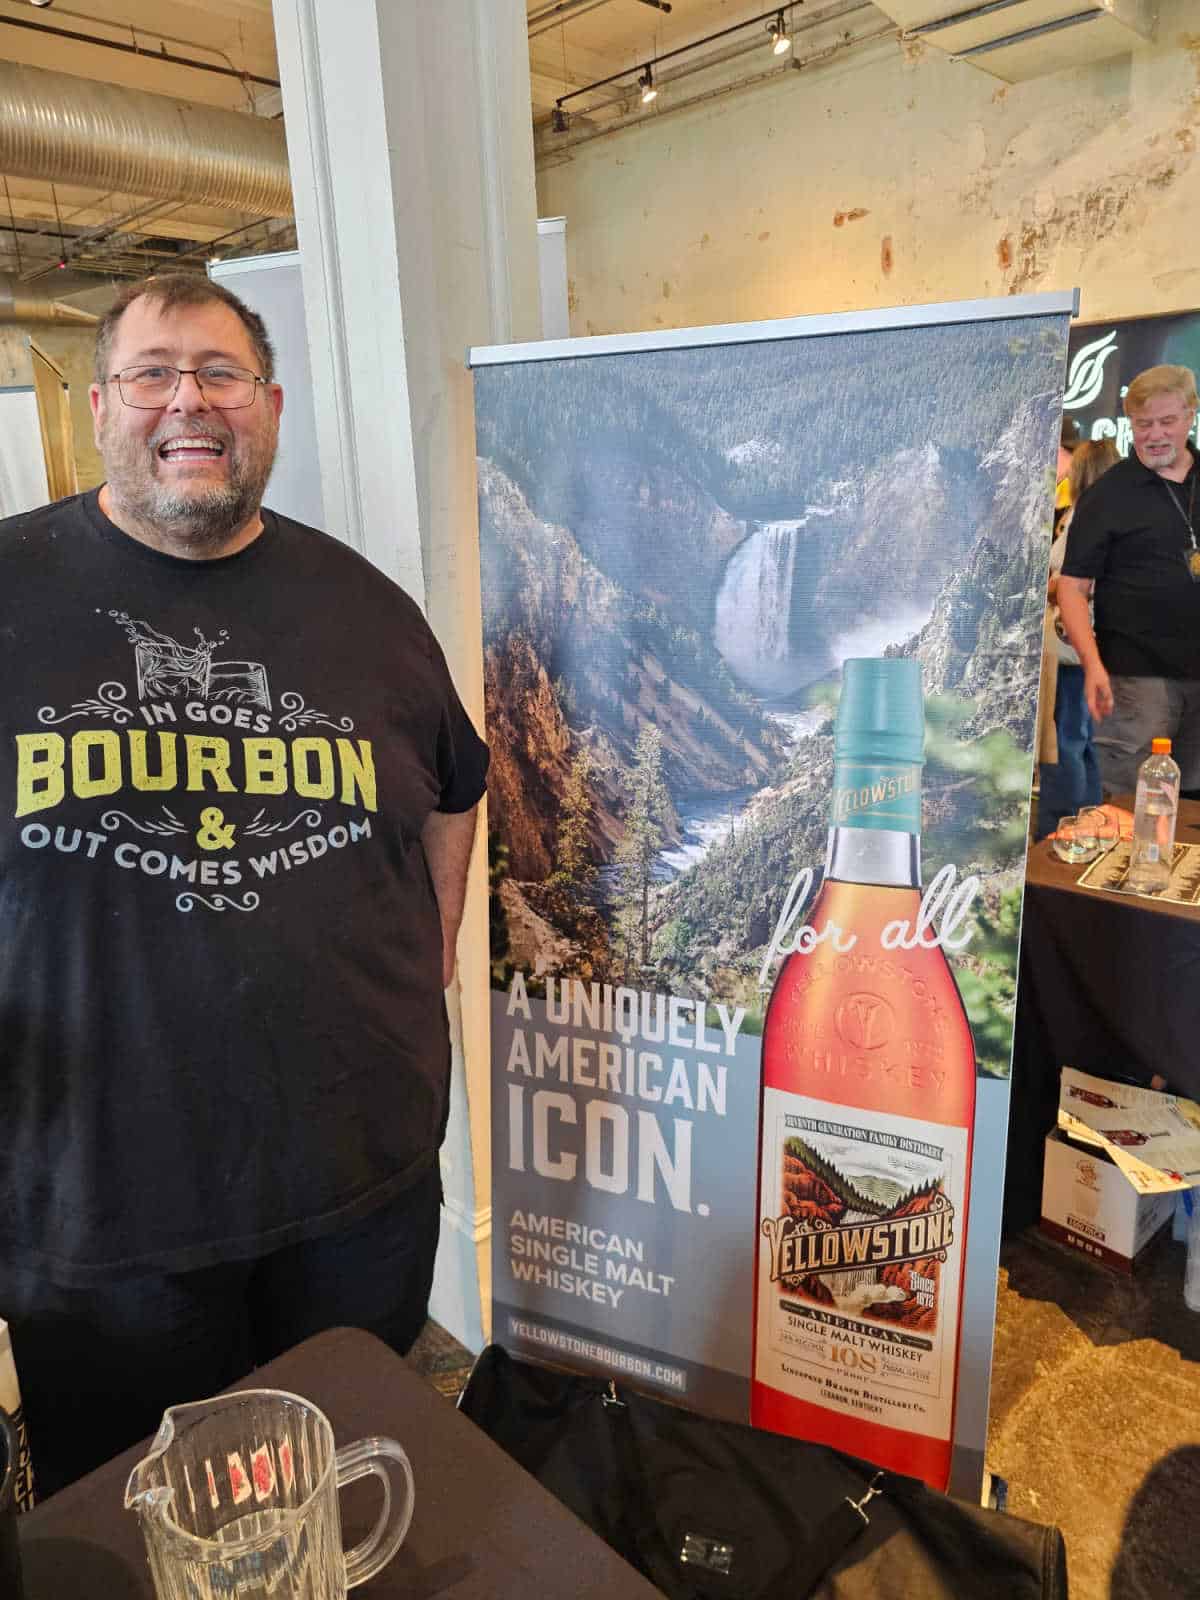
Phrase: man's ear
(96, 401)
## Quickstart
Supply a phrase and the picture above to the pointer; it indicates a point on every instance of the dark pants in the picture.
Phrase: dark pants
(98, 1366)
(1074, 780)
(1146, 709)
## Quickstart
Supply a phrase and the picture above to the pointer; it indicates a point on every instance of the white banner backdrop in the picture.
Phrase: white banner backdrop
(22, 461)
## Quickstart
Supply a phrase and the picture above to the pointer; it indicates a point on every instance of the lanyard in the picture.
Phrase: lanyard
(1175, 501)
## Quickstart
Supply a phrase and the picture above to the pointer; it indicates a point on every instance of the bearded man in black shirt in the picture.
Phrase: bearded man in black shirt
(1135, 543)
(240, 802)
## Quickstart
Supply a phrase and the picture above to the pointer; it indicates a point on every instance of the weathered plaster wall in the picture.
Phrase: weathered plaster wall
(15, 371)
(893, 176)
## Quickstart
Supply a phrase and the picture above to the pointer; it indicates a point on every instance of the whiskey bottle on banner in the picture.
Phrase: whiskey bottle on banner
(866, 1121)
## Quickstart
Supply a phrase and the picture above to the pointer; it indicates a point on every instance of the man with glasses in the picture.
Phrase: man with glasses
(239, 801)
(1135, 541)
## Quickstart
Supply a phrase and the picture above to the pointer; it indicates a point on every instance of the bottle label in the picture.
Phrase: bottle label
(861, 1234)
(10, 1400)
(876, 794)
(23, 1495)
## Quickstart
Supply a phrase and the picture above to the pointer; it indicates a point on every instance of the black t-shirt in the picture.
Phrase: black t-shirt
(1131, 536)
(221, 1016)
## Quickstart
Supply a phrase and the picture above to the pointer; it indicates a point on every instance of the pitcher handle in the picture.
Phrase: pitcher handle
(381, 1458)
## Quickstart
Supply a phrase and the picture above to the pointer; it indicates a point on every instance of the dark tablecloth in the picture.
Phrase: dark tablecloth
(1110, 984)
(482, 1529)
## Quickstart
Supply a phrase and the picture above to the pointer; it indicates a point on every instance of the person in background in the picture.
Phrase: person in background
(1134, 536)
(1069, 439)
(1072, 780)
(240, 794)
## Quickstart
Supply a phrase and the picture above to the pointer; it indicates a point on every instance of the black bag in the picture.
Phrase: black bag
(705, 1508)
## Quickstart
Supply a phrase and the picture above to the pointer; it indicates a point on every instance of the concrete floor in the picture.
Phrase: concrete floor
(441, 1360)
(1095, 1416)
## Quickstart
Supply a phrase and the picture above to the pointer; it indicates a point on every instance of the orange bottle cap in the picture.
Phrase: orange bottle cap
(1160, 747)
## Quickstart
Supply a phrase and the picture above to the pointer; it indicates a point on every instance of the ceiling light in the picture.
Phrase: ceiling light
(779, 39)
(558, 121)
(40, 2)
(649, 92)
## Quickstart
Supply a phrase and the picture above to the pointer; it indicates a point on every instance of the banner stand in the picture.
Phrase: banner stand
(762, 629)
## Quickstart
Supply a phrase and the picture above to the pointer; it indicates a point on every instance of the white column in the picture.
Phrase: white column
(411, 154)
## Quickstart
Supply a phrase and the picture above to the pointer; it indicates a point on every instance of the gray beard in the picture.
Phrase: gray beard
(198, 522)
(1164, 462)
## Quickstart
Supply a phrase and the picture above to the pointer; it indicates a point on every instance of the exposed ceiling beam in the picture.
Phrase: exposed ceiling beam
(189, 223)
(556, 12)
(560, 11)
(135, 49)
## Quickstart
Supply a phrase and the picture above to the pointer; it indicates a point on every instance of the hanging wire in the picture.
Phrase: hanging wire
(559, 121)
(62, 243)
(12, 223)
(249, 93)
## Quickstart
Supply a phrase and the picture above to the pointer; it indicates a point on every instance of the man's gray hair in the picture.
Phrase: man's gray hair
(170, 291)
(1161, 380)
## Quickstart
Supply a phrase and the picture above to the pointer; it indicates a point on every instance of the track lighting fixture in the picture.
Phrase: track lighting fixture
(781, 43)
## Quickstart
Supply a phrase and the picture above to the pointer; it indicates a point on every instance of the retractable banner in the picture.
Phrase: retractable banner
(762, 621)
(1104, 358)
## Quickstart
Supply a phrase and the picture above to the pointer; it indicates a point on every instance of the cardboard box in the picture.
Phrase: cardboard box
(1090, 1205)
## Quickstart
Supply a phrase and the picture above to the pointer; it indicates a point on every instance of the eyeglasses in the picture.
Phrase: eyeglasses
(224, 388)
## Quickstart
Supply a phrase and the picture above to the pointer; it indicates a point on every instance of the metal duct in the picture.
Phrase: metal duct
(70, 130)
(18, 303)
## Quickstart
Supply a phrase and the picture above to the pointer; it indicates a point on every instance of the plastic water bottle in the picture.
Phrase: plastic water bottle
(1154, 814)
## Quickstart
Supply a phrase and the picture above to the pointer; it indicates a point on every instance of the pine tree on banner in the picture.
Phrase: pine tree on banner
(645, 827)
(499, 948)
(575, 868)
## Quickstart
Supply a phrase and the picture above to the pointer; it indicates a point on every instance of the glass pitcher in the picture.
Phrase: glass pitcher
(239, 1496)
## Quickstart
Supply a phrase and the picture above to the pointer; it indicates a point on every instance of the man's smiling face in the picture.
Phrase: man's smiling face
(186, 476)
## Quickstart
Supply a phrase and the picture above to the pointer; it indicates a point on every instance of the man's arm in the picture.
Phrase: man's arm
(1073, 609)
(447, 838)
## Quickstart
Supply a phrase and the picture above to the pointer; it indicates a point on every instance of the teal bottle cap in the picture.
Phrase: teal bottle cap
(881, 713)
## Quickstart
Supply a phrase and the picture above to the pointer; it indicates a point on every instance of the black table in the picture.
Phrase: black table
(1109, 984)
(483, 1528)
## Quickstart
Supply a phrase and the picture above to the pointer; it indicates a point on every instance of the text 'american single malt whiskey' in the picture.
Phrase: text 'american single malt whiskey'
(866, 1118)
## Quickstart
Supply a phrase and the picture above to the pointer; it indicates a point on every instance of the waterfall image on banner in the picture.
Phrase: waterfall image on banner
(680, 548)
